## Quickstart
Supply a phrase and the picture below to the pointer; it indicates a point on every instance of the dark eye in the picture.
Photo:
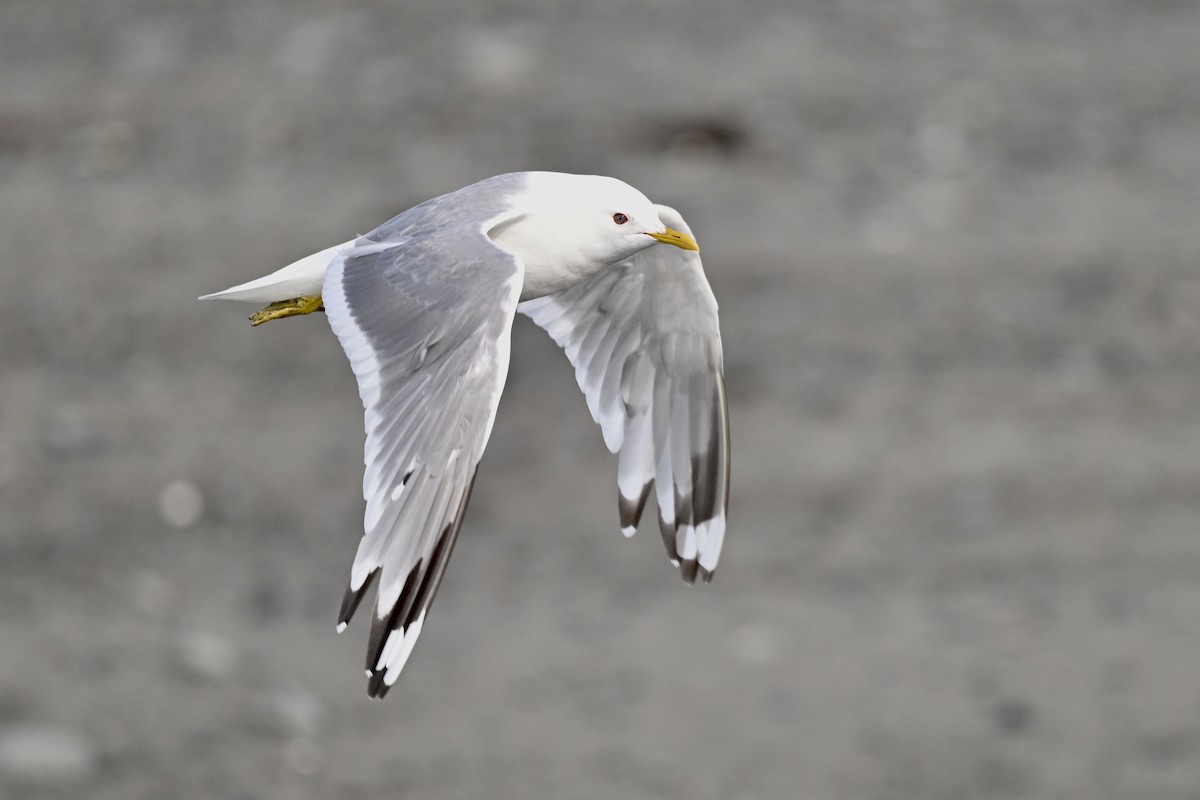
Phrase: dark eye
(620, 218)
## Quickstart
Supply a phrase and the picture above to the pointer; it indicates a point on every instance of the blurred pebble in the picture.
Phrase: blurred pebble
(495, 60)
(755, 643)
(72, 434)
(1013, 715)
(268, 603)
(33, 754)
(181, 504)
(292, 712)
(205, 655)
(710, 137)
(150, 591)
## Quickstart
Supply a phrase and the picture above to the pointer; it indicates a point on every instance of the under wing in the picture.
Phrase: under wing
(643, 337)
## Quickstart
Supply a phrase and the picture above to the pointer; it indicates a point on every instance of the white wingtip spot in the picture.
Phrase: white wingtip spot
(712, 549)
(685, 542)
(341, 626)
(628, 531)
(394, 642)
(397, 660)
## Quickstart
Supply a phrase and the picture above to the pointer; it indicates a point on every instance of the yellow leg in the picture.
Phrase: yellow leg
(287, 308)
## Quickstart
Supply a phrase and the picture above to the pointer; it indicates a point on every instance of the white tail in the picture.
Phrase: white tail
(300, 279)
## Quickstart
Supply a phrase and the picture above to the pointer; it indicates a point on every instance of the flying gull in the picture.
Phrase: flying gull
(423, 307)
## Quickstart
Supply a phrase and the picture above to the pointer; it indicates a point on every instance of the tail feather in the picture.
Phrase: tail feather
(302, 278)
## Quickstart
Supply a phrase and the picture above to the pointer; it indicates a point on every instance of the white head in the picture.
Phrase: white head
(567, 227)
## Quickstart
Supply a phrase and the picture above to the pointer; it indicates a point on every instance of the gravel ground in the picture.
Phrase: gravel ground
(958, 259)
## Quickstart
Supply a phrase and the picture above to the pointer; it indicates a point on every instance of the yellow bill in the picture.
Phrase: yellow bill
(681, 240)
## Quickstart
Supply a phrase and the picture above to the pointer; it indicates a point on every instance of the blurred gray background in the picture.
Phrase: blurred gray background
(957, 251)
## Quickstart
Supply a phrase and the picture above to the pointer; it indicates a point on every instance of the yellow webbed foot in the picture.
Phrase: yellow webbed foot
(287, 308)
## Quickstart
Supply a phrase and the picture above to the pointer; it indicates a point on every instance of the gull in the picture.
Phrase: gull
(423, 307)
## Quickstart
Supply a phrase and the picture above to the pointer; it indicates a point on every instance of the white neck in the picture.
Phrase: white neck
(551, 263)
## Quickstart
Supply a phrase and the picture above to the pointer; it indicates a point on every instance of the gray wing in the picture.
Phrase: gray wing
(425, 323)
(644, 341)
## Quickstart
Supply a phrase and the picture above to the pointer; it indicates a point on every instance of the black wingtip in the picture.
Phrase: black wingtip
(381, 628)
(377, 688)
(668, 538)
(352, 598)
(630, 511)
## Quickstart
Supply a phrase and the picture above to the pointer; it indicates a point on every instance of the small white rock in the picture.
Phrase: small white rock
(35, 754)
(181, 504)
(296, 712)
(206, 655)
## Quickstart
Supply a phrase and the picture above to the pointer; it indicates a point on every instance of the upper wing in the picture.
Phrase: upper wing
(426, 324)
(644, 341)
